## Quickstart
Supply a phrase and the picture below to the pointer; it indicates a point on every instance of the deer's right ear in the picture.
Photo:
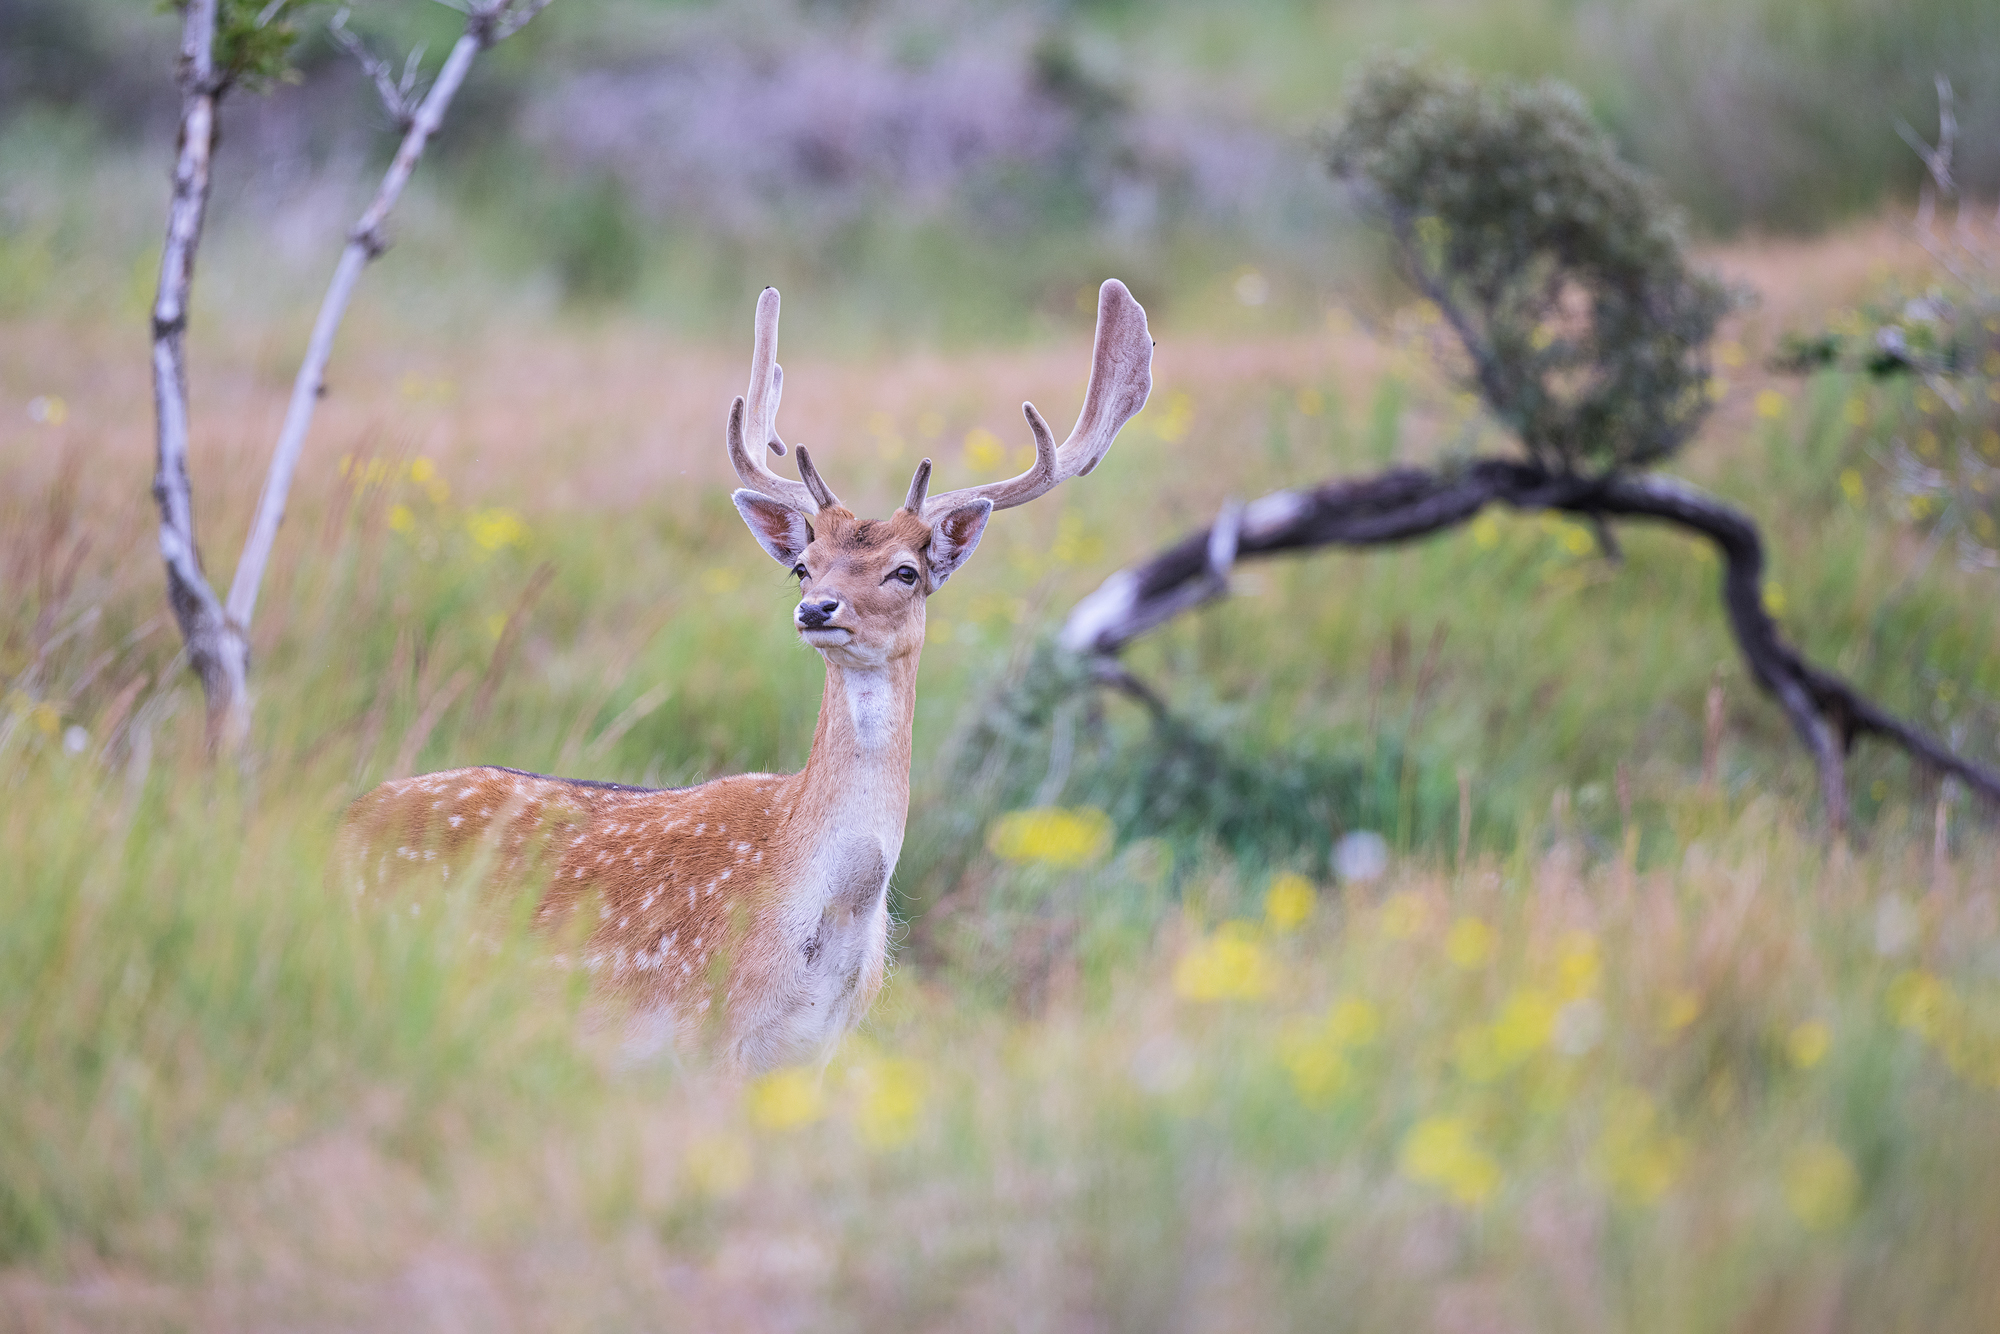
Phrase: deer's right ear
(778, 528)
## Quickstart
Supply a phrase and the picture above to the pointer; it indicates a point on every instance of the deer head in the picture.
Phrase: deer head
(863, 582)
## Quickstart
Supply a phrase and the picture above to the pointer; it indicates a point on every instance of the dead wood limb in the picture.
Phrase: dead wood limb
(216, 632)
(1404, 504)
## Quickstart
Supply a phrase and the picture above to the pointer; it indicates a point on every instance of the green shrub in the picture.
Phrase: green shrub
(1559, 267)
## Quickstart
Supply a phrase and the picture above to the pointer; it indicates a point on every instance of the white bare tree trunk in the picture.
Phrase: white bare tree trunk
(216, 647)
(217, 634)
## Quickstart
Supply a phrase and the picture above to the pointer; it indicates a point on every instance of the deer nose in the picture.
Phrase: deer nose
(814, 614)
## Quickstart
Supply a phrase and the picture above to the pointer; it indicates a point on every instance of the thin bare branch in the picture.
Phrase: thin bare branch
(521, 16)
(365, 242)
(395, 97)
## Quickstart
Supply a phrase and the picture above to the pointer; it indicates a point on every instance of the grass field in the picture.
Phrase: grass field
(1645, 1054)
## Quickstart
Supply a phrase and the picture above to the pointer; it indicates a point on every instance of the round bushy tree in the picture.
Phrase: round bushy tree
(1559, 267)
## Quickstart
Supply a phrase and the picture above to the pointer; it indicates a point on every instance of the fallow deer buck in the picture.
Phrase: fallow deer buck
(757, 903)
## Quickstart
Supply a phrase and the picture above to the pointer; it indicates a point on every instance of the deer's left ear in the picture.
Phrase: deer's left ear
(954, 534)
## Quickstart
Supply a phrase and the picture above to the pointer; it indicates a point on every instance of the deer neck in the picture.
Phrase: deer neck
(857, 779)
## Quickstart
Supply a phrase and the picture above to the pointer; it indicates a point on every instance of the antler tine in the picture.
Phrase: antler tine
(822, 494)
(919, 484)
(1121, 376)
(754, 417)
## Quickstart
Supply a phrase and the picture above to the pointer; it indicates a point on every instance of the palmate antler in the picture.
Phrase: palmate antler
(767, 388)
(1121, 376)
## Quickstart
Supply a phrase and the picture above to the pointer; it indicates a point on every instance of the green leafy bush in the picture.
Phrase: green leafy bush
(1558, 266)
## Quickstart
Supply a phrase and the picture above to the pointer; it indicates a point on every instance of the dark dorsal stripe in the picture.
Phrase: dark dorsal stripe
(582, 782)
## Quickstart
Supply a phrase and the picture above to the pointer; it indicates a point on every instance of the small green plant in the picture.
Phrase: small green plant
(254, 41)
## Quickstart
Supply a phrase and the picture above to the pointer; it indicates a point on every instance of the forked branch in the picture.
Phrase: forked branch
(215, 632)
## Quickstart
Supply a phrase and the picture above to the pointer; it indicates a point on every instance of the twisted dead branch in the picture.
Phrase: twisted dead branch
(1404, 504)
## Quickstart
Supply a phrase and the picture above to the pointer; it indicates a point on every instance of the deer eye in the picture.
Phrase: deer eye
(800, 572)
(907, 573)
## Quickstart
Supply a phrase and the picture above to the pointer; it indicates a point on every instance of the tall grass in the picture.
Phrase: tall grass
(1684, 1067)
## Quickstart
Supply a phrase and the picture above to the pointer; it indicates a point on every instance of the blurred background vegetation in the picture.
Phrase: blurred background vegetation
(1615, 1040)
(957, 169)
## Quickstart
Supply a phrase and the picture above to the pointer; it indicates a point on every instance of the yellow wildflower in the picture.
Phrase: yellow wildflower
(1469, 943)
(1317, 1065)
(1077, 542)
(1807, 1044)
(1441, 1151)
(1051, 835)
(983, 450)
(1578, 966)
(1526, 1023)
(1288, 902)
(786, 1100)
(1821, 1186)
(1353, 1022)
(892, 1099)
(1633, 1157)
(1771, 404)
(1230, 965)
(493, 529)
(1921, 1002)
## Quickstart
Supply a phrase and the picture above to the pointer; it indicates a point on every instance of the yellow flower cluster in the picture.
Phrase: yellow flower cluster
(44, 716)
(493, 529)
(1821, 1187)
(1288, 902)
(1051, 836)
(1966, 1035)
(1229, 965)
(1316, 1053)
(1532, 1017)
(1634, 1156)
(886, 1102)
(1441, 1151)
(892, 1094)
(364, 473)
(785, 1100)
(1232, 964)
